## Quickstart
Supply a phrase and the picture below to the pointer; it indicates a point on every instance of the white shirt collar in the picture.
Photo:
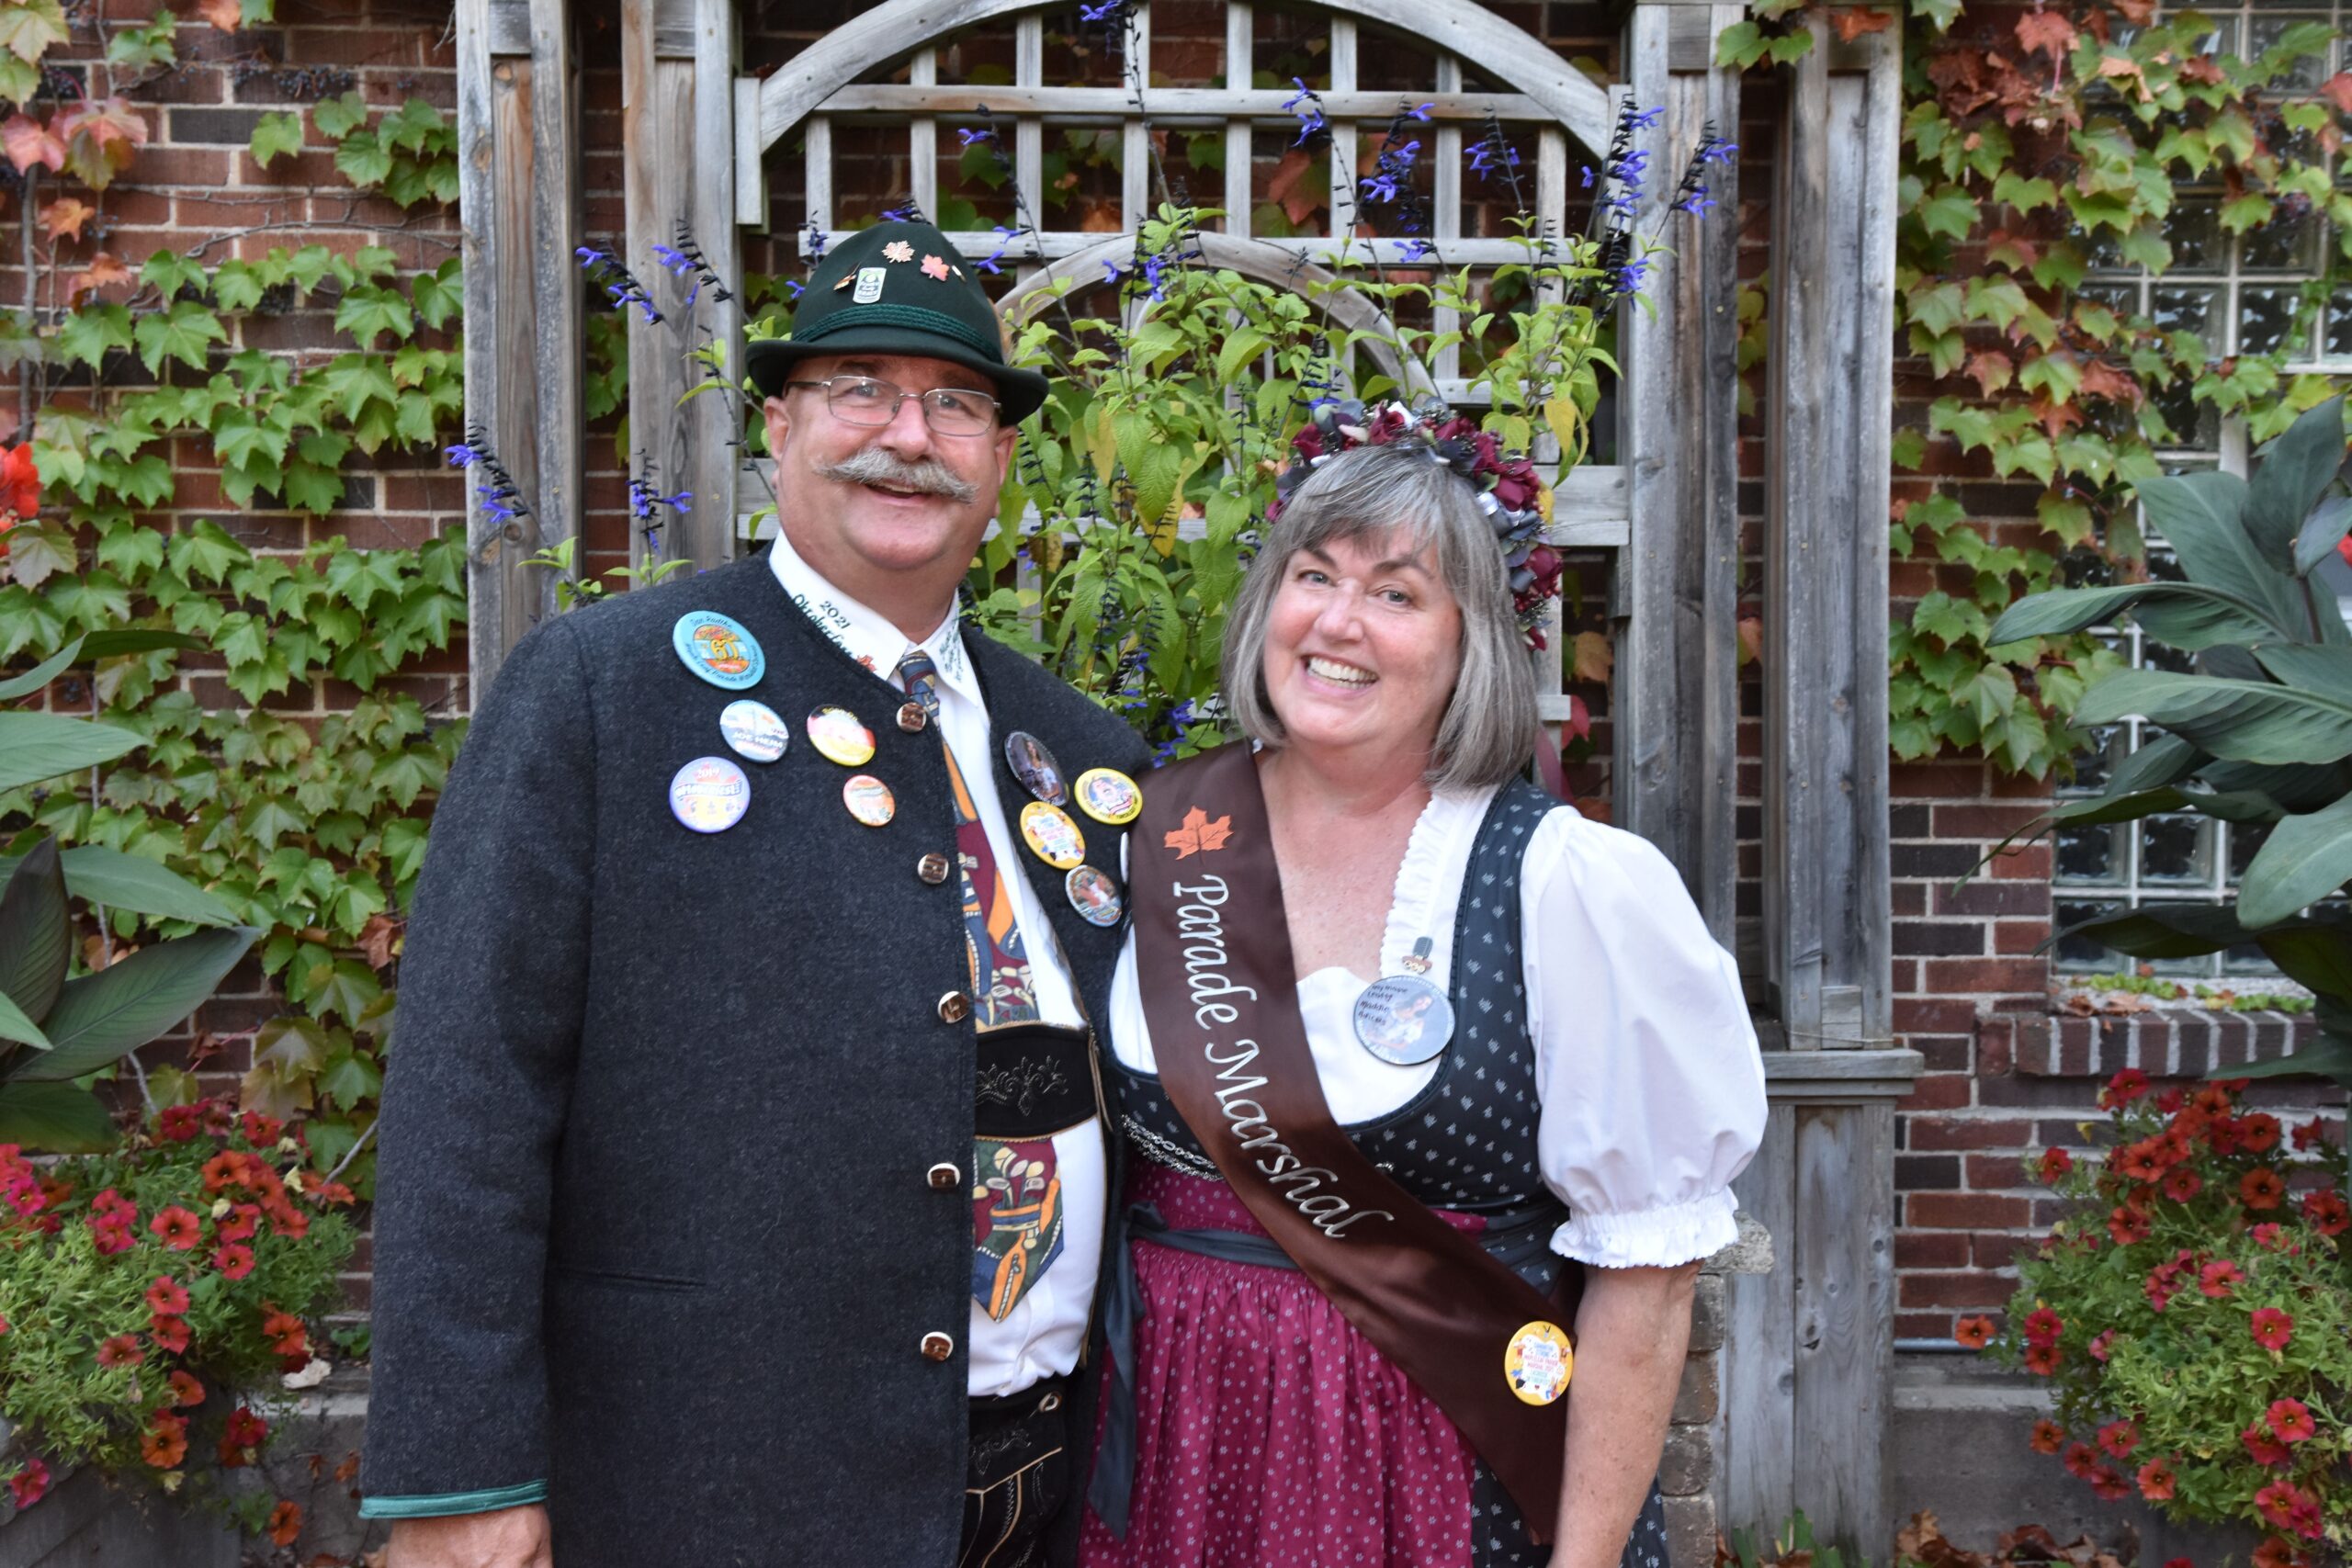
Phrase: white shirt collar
(866, 634)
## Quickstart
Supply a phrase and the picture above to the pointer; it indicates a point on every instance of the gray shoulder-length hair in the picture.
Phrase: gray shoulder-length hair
(1489, 727)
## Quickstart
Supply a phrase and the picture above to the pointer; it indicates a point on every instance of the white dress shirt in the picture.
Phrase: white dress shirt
(1645, 1063)
(1043, 1335)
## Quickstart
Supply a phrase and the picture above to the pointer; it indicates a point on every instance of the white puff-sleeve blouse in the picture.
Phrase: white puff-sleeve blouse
(1651, 1082)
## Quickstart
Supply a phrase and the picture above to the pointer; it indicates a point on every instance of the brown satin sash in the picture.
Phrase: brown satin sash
(1214, 965)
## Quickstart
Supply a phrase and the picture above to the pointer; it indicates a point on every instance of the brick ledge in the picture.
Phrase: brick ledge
(2169, 1039)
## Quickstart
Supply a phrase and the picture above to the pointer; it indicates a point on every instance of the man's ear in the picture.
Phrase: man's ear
(778, 422)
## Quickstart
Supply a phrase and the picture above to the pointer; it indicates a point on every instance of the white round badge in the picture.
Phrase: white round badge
(709, 794)
(754, 730)
(1404, 1020)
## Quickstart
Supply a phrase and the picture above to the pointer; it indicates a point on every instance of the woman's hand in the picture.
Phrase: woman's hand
(1632, 1332)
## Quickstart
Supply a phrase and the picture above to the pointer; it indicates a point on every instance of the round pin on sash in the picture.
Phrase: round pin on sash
(754, 730)
(718, 649)
(1035, 768)
(1049, 832)
(1109, 796)
(709, 794)
(1538, 1363)
(1094, 895)
(1404, 1019)
(840, 737)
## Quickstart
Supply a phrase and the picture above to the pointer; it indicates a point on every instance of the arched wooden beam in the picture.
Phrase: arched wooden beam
(1265, 260)
(1470, 33)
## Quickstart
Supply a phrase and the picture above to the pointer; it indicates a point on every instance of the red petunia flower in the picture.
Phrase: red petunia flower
(224, 1171)
(2258, 1133)
(2311, 1134)
(2182, 1184)
(285, 1522)
(2272, 1328)
(2260, 1189)
(1973, 1332)
(111, 1235)
(165, 1443)
(2216, 1279)
(2109, 1484)
(2118, 1437)
(2080, 1461)
(188, 1391)
(2275, 1552)
(2097, 1348)
(233, 1261)
(2169, 1102)
(122, 1350)
(2292, 1419)
(2043, 1327)
(167, 1296)
(2141, 1161)
(2127, 1225)
(2263, 1448)
(286, 1330)
(2123, 1088)
(2055, 1163)
(29, 1485)
(2285, 1505)
(2048, 1436)
(19, 485)
(2156, 1479)
(176, 1228)
(178, 1123)
(169, 1333)
(284, 1219)
(259, 1130)
(2268, 1237)
(2327, 1213)
(2042, 1359)
(240, 1223)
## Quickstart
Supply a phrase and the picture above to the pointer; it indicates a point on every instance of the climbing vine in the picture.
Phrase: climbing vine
(145, 387)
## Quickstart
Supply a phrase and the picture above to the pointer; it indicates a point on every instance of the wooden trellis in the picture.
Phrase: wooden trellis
(1805, 1403)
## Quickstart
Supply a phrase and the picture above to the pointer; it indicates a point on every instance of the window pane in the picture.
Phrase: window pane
(2079, 951)
(2336, 324)
(2176, 850)
(2089, 854)
(2194, 228)
(2245, 837)
(2265, 27)
(2184, 310)
(2101, 748)
(2264, 317)
(2283, 245)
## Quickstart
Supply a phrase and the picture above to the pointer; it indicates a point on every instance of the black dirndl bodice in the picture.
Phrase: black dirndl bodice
(1468, 1140)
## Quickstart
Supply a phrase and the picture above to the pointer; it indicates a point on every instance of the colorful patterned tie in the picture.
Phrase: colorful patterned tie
(1016, 1190)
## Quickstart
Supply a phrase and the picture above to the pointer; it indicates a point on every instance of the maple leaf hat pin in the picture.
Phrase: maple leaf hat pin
(1199, 835)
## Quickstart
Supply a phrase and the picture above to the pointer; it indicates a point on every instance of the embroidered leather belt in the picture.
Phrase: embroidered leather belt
(1032, 1081)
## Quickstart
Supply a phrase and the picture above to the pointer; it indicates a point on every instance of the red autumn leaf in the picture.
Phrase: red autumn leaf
(226, 15)
(2056, 418)
(28, 142)
(377, 939)
(1992, 369)
(104, 270)
(64, 217)
(2203, 69)
(1852, 22)
(1199, 835)
(2046, 32)
(2139, 13)
(2337, 90)
(1296, 204)
(1751, 639)
(2101, 380)
(2118, 66)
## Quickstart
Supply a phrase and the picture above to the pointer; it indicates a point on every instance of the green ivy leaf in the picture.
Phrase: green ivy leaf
(276, 136)
(338, 117)
(85, 335)
(369, 313)
(180, 333)
(362, 161)
(1951, 213)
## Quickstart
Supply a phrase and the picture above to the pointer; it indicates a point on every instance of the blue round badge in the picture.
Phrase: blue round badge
(709, 794)
(754, 730)
(719, 649)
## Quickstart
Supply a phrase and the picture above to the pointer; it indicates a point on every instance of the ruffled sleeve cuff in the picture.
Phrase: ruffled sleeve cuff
(1651, 1238)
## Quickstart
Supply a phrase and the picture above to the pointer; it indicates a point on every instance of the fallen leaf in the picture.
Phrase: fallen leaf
(348, 1470)
(1199, 835)
(64, 217)
(1852, 22)
(1592, 657)
(2046, 32)
(28, 142)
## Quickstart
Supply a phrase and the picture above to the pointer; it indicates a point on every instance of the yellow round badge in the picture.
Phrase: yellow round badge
(1538, 1363)
(1049, 831)
(837, 734)
(1109, 796)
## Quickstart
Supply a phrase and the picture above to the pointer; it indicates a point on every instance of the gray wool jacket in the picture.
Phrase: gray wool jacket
(653, 1231)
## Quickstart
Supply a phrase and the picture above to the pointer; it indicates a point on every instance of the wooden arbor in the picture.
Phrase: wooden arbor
(1806, 1402)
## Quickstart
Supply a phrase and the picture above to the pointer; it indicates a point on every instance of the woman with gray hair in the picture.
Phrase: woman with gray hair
(1436, 1088)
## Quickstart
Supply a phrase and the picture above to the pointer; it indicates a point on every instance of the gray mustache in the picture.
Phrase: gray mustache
(874, 466)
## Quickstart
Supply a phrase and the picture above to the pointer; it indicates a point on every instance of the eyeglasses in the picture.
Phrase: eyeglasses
(862, 399)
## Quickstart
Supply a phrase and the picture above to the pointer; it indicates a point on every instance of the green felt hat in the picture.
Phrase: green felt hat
(898, 289)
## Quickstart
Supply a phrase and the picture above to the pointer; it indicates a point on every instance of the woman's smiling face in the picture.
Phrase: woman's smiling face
(1363, 644)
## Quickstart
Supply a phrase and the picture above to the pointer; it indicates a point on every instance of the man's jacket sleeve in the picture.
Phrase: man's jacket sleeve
(491, 995)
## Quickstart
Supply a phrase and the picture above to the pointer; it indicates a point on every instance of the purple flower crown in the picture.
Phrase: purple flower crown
(1508, 488)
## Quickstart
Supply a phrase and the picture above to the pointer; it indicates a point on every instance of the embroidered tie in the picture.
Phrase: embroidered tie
(1016, 1190)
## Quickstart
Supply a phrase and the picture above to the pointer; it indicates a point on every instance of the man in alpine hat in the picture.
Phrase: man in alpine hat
(743, 1175)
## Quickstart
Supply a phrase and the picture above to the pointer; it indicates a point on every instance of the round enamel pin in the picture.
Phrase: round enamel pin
(709, 794)
(1538, 1362)
(1049, 831)
(839, 737)
(1035, 768)
(869, 799)
(719, 649)
(1403, 1020)
(754, 730)
(1109, 796)
(1094, 895)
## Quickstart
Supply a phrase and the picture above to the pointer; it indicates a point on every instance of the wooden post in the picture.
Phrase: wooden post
(519, 192)
(717, 416)
(1677, 692)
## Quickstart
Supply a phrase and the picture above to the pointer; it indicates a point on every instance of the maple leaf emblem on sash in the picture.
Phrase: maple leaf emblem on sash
(1199, 834)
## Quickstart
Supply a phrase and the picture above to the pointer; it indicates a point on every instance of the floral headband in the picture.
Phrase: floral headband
(1508, 488)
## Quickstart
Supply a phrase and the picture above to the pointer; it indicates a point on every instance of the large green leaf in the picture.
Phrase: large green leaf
(54, 1118)
(2305, 859)
(2293, 473)
(2315, 952)
(99, 1016)
(36, 746)
(35, 932)
(129, 882)
(2321, 532)
(2243, 720)
(2161, 930)
(2295, 786)
(2203, 517)
(2185, 614)
(2247, 806)
(134, 639)
(15, 1025)
(2308, 667)
(2161, 759)
(41, 674)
